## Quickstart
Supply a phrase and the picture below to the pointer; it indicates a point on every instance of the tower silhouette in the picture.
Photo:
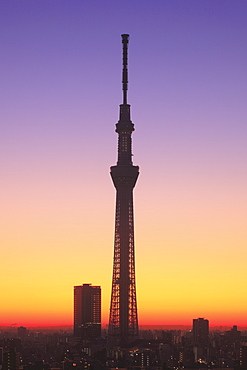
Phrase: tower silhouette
(123, 323)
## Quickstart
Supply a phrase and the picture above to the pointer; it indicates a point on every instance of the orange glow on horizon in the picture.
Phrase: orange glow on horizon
(217, 319)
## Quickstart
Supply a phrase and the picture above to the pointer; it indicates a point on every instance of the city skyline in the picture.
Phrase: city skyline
(60, 95)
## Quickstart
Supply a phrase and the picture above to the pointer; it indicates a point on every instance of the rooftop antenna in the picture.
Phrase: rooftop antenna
(125, 41)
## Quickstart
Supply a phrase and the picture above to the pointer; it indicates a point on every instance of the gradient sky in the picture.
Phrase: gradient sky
(60, 95)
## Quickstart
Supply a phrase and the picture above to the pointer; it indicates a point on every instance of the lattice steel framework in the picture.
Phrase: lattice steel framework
(123, 323)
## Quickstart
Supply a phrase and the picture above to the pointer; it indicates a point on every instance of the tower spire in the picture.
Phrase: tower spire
(125, 41)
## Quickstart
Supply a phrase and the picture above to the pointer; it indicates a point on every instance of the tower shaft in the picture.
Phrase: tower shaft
(123, 323)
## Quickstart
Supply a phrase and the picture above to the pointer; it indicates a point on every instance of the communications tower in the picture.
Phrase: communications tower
(123, 323)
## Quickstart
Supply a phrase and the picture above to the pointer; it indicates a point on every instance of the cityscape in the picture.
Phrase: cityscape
(59, 348)
(190, 315)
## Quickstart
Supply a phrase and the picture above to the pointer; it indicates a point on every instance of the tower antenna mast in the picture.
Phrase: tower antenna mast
(125, 41)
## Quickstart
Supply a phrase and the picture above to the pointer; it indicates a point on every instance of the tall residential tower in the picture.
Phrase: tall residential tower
(123, 323)
(200, 331)
(87, 311)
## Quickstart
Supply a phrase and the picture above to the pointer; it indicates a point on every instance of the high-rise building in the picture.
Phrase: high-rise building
(22, 332)
(234, 333)
(243, 355)
(11, 359)
(200, 331)
(87, 311)
(123, 323)
(1, 357)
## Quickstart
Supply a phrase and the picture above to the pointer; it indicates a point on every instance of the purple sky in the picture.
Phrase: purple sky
(61, 70)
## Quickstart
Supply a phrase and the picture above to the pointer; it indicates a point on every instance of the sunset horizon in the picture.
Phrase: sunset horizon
(62, 87)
